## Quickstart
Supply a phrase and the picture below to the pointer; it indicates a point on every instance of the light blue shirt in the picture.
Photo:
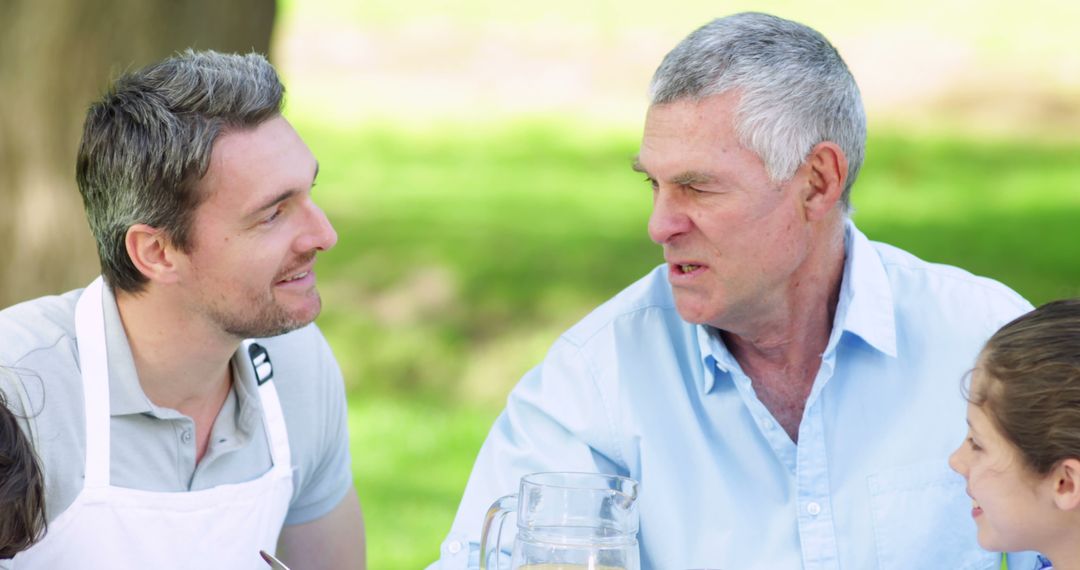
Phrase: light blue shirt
(635, 390)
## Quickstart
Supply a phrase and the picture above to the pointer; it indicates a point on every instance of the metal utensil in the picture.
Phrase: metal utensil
(274, 563)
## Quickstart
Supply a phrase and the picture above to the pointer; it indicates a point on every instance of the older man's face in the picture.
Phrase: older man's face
(735, 242)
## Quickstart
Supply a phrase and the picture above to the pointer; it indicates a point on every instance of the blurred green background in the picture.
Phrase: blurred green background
(475, 162)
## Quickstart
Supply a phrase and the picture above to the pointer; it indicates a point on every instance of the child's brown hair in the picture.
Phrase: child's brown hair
(1031, 390)
(22, 488)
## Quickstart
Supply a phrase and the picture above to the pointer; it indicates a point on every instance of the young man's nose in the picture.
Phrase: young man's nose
(319, 234)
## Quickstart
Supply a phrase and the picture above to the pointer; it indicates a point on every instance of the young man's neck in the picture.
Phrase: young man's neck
(182, 359)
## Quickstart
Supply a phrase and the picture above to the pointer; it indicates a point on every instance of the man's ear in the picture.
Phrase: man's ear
(152, 253)
(1066, 481)
(826, 173)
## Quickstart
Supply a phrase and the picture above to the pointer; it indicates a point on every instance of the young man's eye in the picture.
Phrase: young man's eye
(273, 216)
(652, 182)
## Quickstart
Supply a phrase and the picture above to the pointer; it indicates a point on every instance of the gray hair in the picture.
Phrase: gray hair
(795, 90)
(147, 144)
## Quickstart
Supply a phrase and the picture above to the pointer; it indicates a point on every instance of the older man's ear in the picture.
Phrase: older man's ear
(825, 169)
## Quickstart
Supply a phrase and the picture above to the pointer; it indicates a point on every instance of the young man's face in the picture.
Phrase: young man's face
(255, 236)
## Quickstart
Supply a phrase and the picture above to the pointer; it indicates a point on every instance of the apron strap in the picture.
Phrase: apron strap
(94, 366)
(274, 422)
(273, 417)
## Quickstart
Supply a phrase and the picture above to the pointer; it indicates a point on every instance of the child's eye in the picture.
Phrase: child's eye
(974, 446)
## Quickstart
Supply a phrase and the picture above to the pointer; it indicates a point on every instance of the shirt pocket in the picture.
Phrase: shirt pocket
(922, 519)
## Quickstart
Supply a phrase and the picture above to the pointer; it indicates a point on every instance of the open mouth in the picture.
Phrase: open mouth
(296, 278)
(687, 269)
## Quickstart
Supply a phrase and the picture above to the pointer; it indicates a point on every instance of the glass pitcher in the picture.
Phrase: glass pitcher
(567, 521)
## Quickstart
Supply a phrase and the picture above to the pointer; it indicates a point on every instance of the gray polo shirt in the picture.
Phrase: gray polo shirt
(153, 448)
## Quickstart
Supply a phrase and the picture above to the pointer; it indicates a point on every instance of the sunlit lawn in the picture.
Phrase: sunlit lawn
(464, 251)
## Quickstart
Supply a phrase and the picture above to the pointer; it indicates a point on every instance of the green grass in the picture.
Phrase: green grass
(410, 461)
(464, 250)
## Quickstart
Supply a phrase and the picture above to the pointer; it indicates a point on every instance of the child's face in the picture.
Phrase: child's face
(1010, 503)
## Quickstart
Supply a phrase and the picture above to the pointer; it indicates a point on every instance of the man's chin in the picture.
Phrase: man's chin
(694, 317)
(276, 322)
(693, 311)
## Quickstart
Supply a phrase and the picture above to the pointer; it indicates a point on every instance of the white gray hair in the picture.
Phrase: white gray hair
(795, 90)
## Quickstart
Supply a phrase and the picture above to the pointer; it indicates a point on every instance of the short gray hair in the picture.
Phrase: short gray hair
(147, 143)
(795, 90)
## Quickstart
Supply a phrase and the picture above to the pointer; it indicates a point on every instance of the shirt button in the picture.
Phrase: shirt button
(453, 547)
(766, 425)
(185, 436)
(813, 508)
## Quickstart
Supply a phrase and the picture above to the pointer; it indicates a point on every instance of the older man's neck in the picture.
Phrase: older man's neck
(782, 352)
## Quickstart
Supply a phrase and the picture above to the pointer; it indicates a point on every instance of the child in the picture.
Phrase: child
(1021, 458)
(22, 490)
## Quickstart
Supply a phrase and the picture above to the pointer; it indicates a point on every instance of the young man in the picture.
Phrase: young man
(187, 412)
(785, 390)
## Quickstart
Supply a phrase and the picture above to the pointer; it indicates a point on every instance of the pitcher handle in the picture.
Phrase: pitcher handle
(496, 513)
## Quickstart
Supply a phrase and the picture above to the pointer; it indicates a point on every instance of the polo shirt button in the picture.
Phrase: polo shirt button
(453, 547)
(813, 508)
(186, 436)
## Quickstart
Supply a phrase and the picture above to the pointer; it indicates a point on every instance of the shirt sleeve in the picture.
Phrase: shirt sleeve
(14, 397)
(323, 475)
(556, 419)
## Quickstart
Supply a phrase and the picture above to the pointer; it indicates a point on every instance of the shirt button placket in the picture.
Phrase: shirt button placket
(816, 531)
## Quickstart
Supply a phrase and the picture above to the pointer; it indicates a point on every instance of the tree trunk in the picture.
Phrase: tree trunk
(56, 57)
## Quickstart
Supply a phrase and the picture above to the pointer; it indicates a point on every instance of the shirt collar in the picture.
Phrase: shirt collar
(864, 308)
(126, 395)
(866, 301)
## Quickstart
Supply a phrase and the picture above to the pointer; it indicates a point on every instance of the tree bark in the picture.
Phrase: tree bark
(56, 57)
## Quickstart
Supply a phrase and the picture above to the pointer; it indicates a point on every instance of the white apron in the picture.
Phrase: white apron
(118, 528)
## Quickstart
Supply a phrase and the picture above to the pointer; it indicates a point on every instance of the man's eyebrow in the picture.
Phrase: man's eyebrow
(687, 178)
(692, 177)
(274, 201)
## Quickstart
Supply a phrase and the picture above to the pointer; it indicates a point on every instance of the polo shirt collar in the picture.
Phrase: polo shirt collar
(126, 395)
(864, 308)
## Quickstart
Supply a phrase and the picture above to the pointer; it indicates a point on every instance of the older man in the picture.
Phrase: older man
(785, 390)
(187, 413)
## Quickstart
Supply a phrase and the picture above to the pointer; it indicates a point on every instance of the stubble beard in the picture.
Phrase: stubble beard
(262, 319)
